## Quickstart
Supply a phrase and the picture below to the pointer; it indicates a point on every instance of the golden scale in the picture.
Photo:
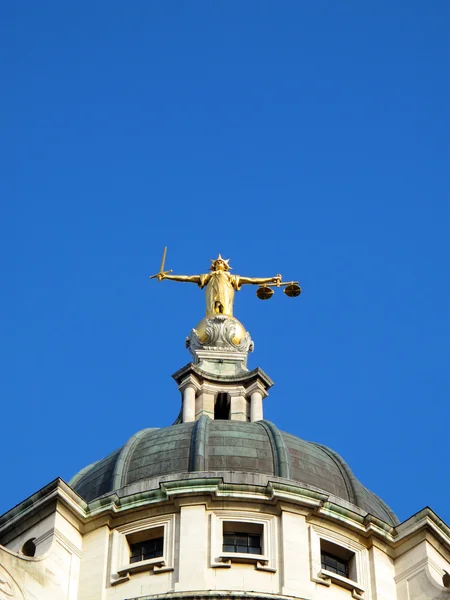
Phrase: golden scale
(291, 289)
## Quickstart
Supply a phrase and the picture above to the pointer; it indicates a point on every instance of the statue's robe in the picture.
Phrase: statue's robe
(220, 286)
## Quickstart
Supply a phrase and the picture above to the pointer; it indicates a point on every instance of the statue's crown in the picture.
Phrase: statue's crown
(219, 258)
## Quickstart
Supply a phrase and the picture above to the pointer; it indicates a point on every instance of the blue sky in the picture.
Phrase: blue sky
(304, 138)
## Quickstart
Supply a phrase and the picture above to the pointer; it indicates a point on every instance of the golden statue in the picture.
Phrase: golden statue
(220, 285)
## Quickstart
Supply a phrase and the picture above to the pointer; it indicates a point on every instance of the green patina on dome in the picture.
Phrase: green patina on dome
(227, 446)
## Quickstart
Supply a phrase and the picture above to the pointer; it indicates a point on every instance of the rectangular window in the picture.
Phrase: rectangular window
(334, 564)
(337, 559)
(146, 544)
(245, 543)
(242, 538)
(146, 550)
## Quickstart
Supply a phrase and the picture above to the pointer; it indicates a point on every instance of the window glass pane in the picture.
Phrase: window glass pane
(147, 550)
(334, 564)
(242, 543)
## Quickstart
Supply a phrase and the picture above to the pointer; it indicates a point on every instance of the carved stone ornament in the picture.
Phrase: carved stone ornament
(221, 334)
(9, 590)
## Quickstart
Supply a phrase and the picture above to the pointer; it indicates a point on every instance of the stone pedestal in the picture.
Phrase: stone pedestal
(218, 383)
(220, 345)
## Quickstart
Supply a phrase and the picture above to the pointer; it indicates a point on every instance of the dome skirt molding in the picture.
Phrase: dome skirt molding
(109, 507)
(215, 595)
(276, 493)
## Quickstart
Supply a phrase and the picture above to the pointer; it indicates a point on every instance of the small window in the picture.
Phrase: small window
(245, 543)
(146, 550)
(334, 564)
(242, 538)
(337, 559)
(146, 545)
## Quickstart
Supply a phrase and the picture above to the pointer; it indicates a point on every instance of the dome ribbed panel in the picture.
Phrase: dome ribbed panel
(160, 452)
(360, 495)
(375, 505)
(122, 463)
(239, 446)
(98, 478)
(281, 463)
(311, 465)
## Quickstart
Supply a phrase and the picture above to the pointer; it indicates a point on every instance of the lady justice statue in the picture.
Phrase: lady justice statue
(220, 343)
(220, 284)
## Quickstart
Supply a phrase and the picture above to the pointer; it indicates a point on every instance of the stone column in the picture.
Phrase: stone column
(256, 393)
(189, 403)
(256, 409)
(188, 388)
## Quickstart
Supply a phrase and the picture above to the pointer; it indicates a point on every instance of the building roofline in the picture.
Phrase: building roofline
(320, 504)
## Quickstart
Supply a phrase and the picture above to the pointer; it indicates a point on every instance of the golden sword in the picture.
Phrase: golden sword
(161, 268)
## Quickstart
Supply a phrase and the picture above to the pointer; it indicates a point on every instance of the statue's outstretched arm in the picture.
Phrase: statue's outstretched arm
(185, 278)
(259, 280)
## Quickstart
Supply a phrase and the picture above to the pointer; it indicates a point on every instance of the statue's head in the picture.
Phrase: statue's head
(220, 264)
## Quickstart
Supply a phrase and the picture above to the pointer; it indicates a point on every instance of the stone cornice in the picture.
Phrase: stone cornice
(106, 508)
(244, 379)
(49, 494)
(425, 520)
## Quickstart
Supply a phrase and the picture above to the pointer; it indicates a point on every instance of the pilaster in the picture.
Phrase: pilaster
(238, 404)
(204, 403)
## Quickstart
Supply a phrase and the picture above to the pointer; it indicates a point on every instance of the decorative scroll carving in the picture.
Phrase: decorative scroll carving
(9, 590)
(6, 589)
(222, 335)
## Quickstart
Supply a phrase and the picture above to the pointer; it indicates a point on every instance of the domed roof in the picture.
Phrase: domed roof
(224, 447)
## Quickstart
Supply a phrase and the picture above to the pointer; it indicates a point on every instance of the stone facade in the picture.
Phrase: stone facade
(83, 549)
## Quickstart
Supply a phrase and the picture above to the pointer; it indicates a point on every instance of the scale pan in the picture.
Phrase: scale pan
(292, 290)
(264, 292)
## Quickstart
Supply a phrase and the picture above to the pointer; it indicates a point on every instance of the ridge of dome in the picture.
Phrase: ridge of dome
(119, 473)
(279, 451)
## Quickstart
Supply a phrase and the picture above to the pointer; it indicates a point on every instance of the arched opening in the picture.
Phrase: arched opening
(29, 548)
